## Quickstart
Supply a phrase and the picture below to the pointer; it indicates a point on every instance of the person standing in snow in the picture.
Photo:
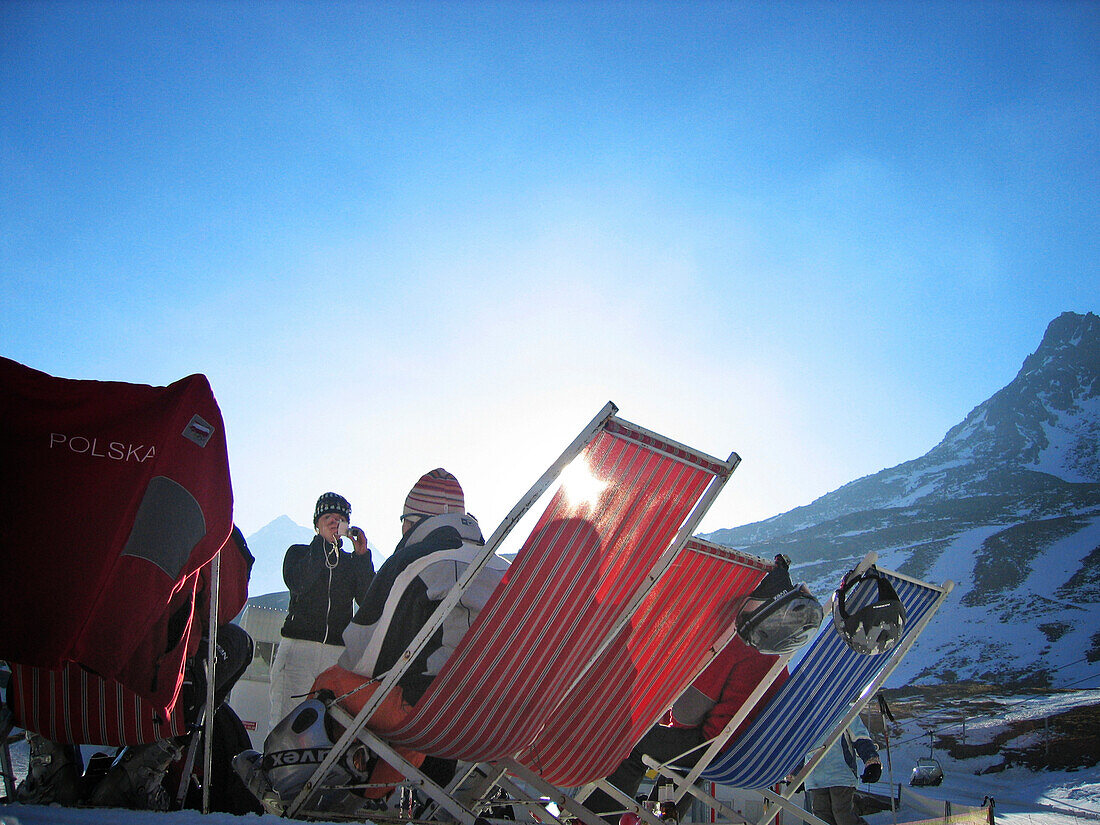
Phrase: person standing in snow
(323, 581)
(831, 785)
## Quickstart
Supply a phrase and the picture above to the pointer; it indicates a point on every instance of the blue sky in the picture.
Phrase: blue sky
(403, 235)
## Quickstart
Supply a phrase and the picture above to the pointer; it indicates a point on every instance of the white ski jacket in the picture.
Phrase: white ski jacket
(405, 592)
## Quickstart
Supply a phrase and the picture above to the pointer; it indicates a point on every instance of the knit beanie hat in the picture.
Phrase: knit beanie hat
(331, 503)
(436, 493)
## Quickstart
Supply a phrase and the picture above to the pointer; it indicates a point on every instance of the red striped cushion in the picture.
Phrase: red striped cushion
(74, 706)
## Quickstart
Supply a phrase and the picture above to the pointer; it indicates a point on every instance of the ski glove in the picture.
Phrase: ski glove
(872, 773)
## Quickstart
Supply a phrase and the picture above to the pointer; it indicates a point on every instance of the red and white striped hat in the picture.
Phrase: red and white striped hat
(436, 493)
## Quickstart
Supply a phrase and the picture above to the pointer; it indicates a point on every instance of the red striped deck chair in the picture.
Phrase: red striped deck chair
(684, 621)
(680, 626)
(576, 583)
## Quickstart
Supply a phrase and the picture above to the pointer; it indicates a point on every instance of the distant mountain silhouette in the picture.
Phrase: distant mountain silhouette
(268, 545)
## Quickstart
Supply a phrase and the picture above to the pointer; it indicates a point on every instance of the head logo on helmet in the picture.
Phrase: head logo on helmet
(870, 619)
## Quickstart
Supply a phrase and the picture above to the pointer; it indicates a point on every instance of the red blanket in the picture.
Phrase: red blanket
(113, 496)
(74, 706)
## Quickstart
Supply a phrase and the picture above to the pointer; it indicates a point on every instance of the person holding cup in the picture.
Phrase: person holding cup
(323, 580)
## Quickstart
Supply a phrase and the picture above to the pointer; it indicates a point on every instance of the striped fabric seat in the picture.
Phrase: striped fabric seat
(76, 707)
(821, 690)
(673, 635)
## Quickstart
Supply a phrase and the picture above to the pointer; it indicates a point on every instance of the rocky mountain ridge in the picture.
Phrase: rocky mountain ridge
(1007, 505)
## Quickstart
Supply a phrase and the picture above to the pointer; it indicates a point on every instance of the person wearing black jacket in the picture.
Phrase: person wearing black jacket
(323, 581)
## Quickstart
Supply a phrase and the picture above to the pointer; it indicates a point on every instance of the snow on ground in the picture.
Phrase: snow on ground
(1023, 797)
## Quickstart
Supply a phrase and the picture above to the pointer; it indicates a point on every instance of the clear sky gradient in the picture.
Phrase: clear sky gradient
(404, 235)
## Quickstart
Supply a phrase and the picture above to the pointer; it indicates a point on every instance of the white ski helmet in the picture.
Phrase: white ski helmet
(299, 743)
(876, 627)
(787, 616)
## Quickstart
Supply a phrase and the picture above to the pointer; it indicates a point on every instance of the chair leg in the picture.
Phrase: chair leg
(188, 769)
(783, 803)
(712, 803)
(460, 812)
(568, 803)
(6, 740)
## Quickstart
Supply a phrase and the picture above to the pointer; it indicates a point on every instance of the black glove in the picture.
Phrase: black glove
(872, 773)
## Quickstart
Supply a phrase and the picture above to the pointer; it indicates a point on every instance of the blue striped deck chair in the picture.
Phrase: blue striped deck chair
(828, 687)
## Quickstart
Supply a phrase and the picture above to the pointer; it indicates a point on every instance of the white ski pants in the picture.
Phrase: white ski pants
(297, 664)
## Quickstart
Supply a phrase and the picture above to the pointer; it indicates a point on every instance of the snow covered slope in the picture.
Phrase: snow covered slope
(1007, 505)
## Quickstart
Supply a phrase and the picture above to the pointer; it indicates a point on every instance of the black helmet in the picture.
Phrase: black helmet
(786, 617)
(877, 626)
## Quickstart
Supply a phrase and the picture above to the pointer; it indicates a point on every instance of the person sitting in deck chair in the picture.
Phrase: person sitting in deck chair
(439, 540)
(777, 618)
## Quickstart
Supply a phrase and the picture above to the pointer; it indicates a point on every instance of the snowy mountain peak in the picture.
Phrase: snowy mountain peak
(282, 527)
(1073, 339)
(1048, 418)
(1007, 505)
(268, 545)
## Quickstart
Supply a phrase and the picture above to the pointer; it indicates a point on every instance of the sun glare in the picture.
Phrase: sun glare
(581, 488)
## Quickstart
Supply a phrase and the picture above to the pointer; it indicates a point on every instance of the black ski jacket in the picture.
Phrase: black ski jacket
(321, 597)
